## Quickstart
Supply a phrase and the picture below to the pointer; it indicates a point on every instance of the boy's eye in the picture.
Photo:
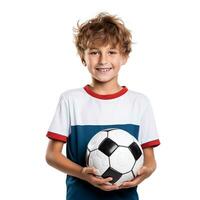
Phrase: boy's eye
(112, 52)
(94, 52)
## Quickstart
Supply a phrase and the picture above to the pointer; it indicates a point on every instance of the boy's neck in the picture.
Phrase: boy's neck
(105, 88)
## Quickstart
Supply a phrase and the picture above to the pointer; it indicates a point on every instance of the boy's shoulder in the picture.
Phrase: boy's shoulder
(138, 95)
(74, 92)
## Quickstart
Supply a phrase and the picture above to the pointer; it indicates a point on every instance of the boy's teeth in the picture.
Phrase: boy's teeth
(103, 69)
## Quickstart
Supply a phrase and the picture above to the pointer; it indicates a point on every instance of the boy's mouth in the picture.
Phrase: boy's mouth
(103, 69)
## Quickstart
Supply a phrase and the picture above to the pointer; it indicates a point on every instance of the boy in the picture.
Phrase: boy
(104, 44)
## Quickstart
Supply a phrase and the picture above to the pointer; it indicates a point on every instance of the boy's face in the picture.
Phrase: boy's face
(104, 62)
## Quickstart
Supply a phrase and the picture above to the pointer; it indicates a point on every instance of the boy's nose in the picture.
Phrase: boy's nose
(103, 59)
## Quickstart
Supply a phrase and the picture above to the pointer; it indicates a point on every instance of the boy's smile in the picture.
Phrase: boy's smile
(104, 63)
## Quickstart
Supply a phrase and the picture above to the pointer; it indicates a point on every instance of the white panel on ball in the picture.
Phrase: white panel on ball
(121, 137)
(96, 140)
(99, 160)
(122, 160)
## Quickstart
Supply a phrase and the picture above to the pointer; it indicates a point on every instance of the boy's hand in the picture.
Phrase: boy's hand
(89, 174)
(143, 173)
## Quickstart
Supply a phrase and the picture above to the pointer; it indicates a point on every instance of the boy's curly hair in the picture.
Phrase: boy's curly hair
(104, 29)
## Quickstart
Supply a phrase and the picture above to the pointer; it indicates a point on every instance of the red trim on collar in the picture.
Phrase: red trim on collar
(106, 96)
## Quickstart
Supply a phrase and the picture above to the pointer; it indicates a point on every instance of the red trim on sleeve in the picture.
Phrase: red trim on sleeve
(153, 143)
(56, 136)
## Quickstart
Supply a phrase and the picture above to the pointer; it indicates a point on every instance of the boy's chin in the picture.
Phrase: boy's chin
(102, 80)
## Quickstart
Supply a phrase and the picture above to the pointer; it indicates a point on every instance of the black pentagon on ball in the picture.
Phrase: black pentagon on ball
(135, 150)
(110, 172)
(107, 146)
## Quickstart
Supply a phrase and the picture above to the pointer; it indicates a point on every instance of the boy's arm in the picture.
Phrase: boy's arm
(56, 159)
(147, 169)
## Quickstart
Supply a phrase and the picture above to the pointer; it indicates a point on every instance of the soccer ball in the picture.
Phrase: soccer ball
(115, 153)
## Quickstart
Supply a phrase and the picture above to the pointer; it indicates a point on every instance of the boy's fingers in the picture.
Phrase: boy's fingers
(89, 170)
(101, 181)
(109, 187)
(106, 180)
(104, 183)
(132, 183)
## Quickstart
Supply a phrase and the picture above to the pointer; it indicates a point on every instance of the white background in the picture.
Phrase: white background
(38, 61)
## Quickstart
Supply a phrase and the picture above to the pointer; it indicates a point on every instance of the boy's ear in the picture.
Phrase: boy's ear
(83, 61)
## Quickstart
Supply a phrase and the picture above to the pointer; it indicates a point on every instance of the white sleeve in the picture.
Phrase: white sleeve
(148, 135)
(60, 126)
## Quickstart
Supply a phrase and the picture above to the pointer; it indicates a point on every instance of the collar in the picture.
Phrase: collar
(88, 89)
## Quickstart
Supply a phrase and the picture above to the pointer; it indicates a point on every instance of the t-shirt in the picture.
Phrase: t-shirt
(81, 113)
